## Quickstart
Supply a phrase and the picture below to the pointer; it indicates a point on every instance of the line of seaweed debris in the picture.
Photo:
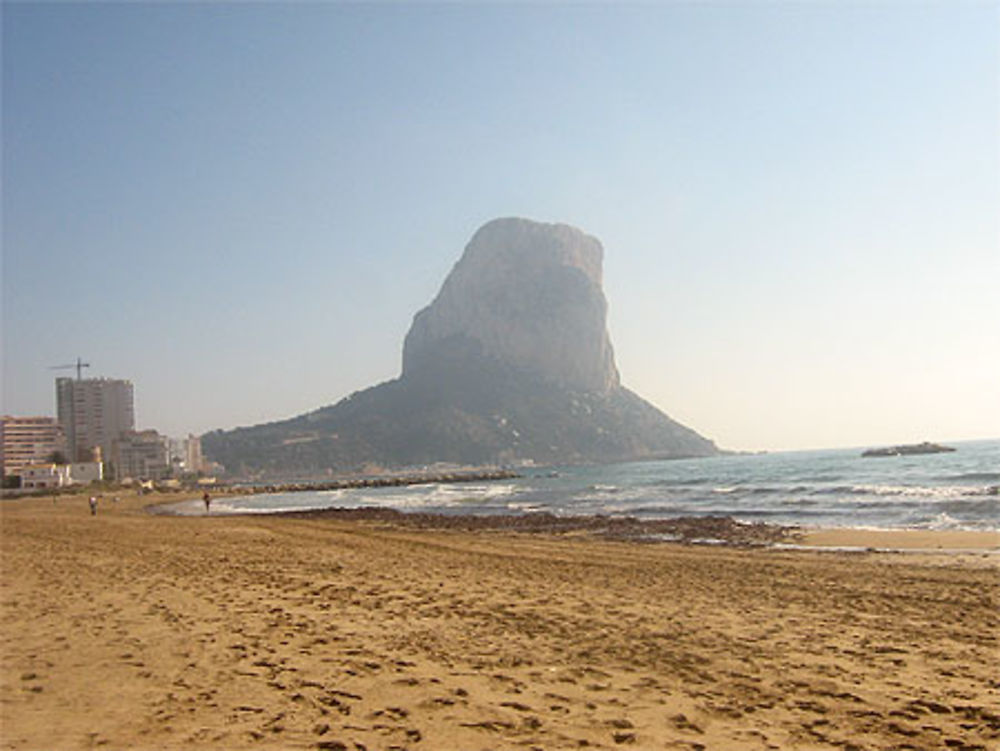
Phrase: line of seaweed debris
(688, 530)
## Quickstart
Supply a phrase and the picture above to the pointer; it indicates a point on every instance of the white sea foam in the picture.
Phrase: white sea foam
(943, 521)
(275, 510)
(524, 507)
(912, 491)
(438, 495)
(332, 494)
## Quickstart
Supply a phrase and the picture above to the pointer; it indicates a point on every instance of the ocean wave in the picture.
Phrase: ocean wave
(416, 497)
(992, 490)
(226, 509)
(985, 507)
(609, 489)
(756, 489)
(445, 494)
(973, 476)
(743, 514)
(525, 507)
(678, 483)
(337, 493)
(942, 521)
(909, 491)
(799, 502)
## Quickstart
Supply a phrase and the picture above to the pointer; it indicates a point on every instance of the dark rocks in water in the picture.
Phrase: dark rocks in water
(511, 362)
(909, 450)
(690, 530)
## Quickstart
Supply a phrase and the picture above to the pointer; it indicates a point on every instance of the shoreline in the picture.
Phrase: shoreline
(724, 530)
(930, 540)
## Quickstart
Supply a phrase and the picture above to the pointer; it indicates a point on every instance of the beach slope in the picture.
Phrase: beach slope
(128, 630)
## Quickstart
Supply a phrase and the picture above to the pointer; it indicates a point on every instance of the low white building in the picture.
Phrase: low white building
(37, 476)
(45, 476)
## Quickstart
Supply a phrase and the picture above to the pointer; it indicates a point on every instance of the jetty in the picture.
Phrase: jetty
(383, 481)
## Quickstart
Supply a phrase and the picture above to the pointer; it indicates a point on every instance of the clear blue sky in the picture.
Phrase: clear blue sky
(241, 207)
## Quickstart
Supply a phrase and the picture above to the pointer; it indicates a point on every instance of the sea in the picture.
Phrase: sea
(832, 488)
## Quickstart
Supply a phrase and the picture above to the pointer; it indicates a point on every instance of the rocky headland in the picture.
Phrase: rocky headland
(510, 363)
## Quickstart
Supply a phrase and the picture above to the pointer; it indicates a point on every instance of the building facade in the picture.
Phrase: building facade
(48, 475)
(185, 455)
(84, 473)
(25, 441)
(193, 461)
(37, 476)
(140, 455)
(93, 413)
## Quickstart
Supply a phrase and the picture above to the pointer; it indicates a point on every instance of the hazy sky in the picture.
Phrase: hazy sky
(241, 207)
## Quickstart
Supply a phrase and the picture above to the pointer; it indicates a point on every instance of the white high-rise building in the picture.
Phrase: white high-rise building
(193, 460)
(94, 412)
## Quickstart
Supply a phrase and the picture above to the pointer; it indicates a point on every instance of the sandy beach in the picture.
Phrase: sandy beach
(129, 630)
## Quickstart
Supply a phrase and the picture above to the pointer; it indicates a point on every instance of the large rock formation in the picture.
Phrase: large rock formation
(530, 296)
(511, 362)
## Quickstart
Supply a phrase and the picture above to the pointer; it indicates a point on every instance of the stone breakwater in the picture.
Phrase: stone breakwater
(385, 481)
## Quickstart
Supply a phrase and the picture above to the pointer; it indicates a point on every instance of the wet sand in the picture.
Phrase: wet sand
(130, 630)
(903, 539)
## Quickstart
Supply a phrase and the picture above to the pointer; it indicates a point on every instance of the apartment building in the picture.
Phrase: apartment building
(141, 455)
(93, 413)
(25, 441)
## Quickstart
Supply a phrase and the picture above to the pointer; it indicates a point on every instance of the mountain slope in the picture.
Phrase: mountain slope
(511, 362)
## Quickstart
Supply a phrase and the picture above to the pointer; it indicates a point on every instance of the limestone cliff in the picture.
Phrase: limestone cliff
(510, 362)
(530, 295)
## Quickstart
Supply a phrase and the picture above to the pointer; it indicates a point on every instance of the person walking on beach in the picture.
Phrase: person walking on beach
(93, 505)
(208, 503)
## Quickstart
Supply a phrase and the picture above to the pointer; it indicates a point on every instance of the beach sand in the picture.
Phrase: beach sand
(903, 539)
(133, 631)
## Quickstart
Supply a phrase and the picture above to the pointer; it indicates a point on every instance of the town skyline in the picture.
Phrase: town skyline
(92, 436)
